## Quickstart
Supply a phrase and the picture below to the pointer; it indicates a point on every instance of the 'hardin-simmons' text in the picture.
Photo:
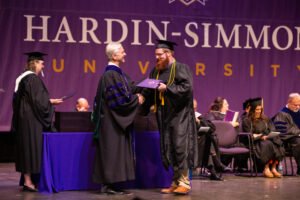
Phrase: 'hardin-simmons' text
(194, 34)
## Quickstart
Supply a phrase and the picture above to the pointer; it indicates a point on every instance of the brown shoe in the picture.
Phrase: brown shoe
(168, 190)
(276, 173)
(182, 190)
(268, 174)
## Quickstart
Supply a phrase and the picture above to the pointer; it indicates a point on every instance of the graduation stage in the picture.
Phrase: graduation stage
(68, 162)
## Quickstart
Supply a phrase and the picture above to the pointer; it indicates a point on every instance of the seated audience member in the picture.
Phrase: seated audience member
(82, 105)
(269, 151)
(287, 122)
(218, 110)
(208, 149)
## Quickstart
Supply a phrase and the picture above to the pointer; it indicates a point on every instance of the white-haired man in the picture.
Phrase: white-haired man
(115, 107)
(287, 122)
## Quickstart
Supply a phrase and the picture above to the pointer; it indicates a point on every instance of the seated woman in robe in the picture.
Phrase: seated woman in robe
(269, 151)
(208, 149)
(218, 110)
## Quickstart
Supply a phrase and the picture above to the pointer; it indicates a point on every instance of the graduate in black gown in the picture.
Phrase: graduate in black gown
(115, 107)
(287, 122)
(32, 113)
(269, 151)
(173, 104)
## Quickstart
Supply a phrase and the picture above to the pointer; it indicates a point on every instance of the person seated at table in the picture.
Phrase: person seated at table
(208, 150)
(269, 151)
(82, 105)
(287, 122)
(218, 110)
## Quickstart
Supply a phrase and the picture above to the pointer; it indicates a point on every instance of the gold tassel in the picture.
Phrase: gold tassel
(162, 98)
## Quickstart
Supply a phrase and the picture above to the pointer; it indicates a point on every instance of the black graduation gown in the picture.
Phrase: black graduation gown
(214, 115)
(176, 119)
(286, 126)
(32, 112)
(295, 115)
(265, 150)
(208, 145)
(289, 133)
(114, 159)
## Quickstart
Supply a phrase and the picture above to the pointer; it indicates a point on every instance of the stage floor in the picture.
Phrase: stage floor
(234, 187)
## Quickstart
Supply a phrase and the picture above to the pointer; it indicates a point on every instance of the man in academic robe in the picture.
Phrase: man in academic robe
(32, 113)
(173, 104)
(287, 122)
(115, 107)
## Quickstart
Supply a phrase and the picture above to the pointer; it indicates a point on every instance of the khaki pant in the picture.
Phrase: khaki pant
(181, 177)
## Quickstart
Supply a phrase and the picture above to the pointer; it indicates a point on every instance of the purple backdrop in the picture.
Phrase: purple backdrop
(236, 48)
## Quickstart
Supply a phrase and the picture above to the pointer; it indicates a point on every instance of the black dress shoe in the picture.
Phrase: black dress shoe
(298, 171)
(29, 189)
(111, 191)
(215, 177)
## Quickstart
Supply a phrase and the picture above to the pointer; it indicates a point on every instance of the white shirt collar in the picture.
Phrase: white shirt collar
(111, 63)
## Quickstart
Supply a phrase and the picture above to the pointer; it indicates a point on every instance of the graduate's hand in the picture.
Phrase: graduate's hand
(162, 87)
(264, 137)
(56, 101)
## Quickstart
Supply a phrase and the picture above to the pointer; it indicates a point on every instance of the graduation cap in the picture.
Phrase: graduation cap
(246, 103)
(35, 56)
(165, 44)
(256, 102)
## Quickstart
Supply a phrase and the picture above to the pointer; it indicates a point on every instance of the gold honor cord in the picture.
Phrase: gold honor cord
(170, 81)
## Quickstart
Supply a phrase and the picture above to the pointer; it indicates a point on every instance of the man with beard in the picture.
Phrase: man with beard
(173, 104)
(287, 122)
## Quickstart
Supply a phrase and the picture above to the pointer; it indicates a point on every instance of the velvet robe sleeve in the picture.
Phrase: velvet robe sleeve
(119, 97)
(285, 124)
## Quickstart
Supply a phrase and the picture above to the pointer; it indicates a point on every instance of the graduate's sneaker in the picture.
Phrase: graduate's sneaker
(181, 190)
(168, 190)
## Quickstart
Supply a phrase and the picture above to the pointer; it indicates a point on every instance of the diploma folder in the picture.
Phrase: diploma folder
(149, 83)
(272, 134)
(231, 116)
(68, 96)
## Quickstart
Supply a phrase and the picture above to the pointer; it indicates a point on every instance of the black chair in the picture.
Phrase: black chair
(228, 141)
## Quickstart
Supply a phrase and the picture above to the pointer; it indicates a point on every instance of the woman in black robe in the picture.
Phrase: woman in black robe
(217, 112)
(32, 113)
(269, 151)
